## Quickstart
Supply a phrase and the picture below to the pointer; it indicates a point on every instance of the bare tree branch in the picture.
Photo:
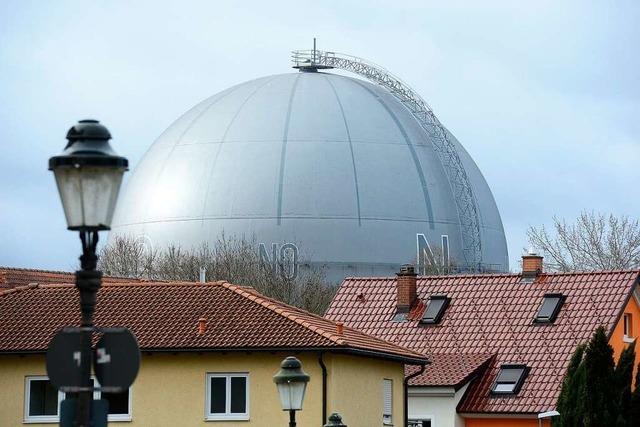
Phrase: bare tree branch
(594, 241)
(232, 259)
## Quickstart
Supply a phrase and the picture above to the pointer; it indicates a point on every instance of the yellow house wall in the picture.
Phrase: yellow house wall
(354, 389)
(170, 389)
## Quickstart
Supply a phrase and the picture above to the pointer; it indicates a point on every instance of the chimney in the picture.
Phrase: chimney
(202, 326)
(406, 288)
(339, 328)
(531, 265)
(203, 274)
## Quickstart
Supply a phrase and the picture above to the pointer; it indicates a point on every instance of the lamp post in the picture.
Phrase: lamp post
(291, 381)
(88, 174)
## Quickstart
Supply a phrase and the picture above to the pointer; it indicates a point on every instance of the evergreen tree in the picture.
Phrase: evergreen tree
(599, 391)
(634, 413)
(569, 402)
(623, 376)
(595, 391)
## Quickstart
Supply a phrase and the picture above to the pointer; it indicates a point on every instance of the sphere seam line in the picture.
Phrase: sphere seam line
(283, 153)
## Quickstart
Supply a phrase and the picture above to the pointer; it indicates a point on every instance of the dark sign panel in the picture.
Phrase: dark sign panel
(117, 359)
(64, 356)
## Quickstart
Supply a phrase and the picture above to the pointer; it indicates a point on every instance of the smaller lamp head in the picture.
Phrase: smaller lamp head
(291, 381)
(335, 420)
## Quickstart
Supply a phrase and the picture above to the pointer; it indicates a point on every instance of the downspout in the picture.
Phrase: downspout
(406, 393)
(324, 389)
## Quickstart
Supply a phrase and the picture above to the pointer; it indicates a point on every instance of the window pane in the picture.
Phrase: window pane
(218, 395)
(627, 325)
(510, 375)
(549, 305)
(435, 309)
(118, 402)
(505, 387)
(43, 399)
(238, 395)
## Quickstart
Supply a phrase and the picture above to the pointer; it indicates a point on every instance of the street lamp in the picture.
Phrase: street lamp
(291, 381)
(335, 420)
(88, 174)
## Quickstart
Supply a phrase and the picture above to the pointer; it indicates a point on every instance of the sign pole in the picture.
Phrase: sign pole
(88, 281)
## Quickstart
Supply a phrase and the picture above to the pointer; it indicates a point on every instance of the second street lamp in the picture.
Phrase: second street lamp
(291, 381)
(88, 175)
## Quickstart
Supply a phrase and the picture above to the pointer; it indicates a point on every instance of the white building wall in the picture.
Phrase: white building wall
(437, 404)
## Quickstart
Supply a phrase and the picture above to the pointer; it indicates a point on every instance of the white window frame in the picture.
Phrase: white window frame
(387, 418)
(227, 416)
(29, 419)
(627, 325)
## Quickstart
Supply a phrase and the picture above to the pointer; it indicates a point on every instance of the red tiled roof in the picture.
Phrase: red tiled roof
(492, 314)
(449, 369)
(164, 316)
(13, 277)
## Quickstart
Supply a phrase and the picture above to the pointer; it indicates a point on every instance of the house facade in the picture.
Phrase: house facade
(499, 344)
(209, 352)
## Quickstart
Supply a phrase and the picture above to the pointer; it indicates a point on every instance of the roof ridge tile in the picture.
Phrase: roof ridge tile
(4, 269)
(19, 289)
(55, 285)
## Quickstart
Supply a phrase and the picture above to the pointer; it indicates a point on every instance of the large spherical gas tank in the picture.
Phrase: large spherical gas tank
(333, 164)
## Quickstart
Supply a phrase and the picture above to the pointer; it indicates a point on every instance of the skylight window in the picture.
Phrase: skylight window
(550, 308)
(435, 309)
(510, 379)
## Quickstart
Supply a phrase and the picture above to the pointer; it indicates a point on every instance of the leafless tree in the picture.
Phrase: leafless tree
(128, 257)
(235, 260)
(594, 241)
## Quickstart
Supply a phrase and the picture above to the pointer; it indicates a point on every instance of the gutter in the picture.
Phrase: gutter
(324, 388)
(408, 360)
(405, 385)
(547, 414)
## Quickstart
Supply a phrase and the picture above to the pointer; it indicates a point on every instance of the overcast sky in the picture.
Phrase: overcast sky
(545, 95)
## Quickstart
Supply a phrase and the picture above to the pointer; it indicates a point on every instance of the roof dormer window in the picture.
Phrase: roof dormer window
(550, 308)
(510, 379)
(435, 309)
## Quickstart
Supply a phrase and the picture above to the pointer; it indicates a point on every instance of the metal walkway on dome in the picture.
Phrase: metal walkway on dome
(313, 60)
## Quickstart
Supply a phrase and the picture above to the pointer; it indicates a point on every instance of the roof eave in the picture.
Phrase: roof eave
(490, 414)
(339, 350)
